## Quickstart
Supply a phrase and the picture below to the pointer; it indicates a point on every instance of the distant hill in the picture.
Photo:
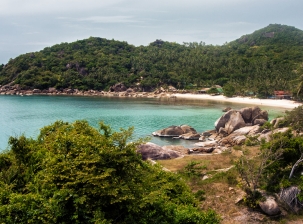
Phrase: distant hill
(272, 35)
(261, 62)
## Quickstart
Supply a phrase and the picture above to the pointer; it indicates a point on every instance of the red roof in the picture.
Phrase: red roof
(281, 92)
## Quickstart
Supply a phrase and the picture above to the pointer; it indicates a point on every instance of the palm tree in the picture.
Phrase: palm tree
(299, 85)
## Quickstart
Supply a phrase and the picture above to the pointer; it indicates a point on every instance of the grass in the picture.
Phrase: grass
(212, 161)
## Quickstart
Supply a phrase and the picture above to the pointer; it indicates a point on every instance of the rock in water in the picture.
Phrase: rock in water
(176, 131)
(246, 114)
(235, 122)
(223, 120)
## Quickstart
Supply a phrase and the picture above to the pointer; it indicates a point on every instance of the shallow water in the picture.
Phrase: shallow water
(27, 114)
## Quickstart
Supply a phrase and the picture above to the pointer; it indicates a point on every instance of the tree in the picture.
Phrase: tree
(294, 118)
(73, 173)
(299, 86)
(229, 90)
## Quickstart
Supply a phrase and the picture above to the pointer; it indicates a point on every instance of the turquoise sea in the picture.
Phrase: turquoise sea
(27, 114)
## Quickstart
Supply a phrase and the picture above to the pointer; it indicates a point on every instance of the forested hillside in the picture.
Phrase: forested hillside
(268, 59)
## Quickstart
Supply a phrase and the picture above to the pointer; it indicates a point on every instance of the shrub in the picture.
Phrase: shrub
(73, 173)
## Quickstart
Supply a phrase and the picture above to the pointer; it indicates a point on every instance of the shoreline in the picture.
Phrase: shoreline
(287, 104)
(278, 103)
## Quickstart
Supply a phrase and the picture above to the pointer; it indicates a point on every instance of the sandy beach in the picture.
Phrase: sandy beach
(287, 104)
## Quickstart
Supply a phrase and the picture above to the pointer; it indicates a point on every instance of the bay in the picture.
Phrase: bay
(27, 114)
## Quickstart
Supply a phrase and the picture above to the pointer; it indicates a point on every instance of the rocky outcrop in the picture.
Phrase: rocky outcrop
(239, 136)
(156, 152)
(182, 131)
(269, 206)
(230, 121)
(257, 113)
(188, 129)
(267, 135)
(289, 198)
(119, 87)
(277, 122)
(259, 122)
(246, 114)
(204, 147)
(248, 130)
(233, 120)
(190, 136)
(220, 123)
(171, 131)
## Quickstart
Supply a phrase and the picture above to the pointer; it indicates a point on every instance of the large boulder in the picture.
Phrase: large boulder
(188, 129)
(289, 197)
(220, 123)
(233, 139)
(238, 137)
(247, 130)
(235, 122)
(246, 113)
(156, 152)
(267, 136)
(257, 113)
(176, 131)
(171, 131)
(269, 206)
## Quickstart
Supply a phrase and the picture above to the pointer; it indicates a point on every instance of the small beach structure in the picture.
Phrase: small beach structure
(281, 94)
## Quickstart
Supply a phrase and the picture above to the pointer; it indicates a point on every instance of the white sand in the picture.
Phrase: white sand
(287, 104)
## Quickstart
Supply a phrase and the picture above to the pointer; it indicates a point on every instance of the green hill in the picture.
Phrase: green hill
(261, 62)
(274, 34)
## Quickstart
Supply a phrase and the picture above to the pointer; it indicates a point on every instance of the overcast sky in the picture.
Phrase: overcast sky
(30, 25)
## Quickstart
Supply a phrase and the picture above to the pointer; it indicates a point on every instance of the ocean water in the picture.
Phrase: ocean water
(27, 114)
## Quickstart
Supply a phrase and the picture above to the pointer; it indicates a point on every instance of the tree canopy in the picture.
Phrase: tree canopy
(73, 173)
(261, 62)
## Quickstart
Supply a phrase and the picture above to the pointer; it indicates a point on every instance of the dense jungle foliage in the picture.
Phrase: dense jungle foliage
(267, 60)
(73, 173)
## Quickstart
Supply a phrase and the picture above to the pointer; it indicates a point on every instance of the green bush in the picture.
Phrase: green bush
(193, 169)
(73, 173)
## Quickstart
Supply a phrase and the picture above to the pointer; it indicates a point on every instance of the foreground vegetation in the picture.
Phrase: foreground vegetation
(267, 60)
(73, 173)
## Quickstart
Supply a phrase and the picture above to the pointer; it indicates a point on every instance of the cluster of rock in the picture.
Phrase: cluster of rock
(117, 90)
(233, 128)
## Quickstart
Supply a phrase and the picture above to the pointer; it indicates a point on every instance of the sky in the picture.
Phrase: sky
(31, 25)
